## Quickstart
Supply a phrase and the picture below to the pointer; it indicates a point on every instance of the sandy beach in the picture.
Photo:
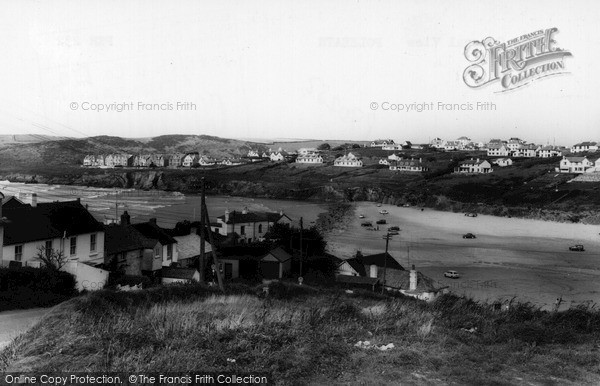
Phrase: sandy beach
(525, 259)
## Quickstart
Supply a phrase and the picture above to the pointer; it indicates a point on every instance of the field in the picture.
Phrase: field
(308, 335)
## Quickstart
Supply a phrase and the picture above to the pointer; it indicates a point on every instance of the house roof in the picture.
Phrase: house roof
(409, 162)
(381, 260)
(357, 265)
(47, 221)
(575, 159)
(11, 202)
(189, 246)
(178, 273)
(250, 217)
(586, 144)
(280, 254)
(152, 231)
(123, 238)
(472, 162)
(401, 280)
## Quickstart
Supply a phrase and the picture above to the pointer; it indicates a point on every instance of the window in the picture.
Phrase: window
(93, 243)
(73, 249)
(157, 251)
(48, 248)
(259, 228)
(243, 230)
(18, 252)
(169, 251)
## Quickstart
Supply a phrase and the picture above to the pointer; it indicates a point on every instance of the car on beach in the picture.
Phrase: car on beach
(469, 236)
(361, 216)
(577, 248)
(406, 205)
(366, 224)
(394, 228)
(471, 214)
(451, 274)
(393, 233)
(383, 211)
(382, 221)
(379, 205)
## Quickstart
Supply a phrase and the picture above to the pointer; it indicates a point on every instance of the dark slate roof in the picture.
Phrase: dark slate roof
(47, 221)
(280, 254)
(381, 260)
(178, 273)
(152, 231)
(357, 265)
(11, 202)
(356, 279)
(250, 217)
(119, 238)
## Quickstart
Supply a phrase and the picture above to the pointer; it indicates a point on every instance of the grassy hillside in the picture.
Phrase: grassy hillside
(305, 335)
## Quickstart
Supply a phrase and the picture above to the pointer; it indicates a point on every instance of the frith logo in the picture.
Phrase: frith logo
(516, 62)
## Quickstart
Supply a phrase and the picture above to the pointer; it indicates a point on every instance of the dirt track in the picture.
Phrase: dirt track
(510, 257)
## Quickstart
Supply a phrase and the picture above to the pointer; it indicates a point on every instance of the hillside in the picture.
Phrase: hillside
(309, 335)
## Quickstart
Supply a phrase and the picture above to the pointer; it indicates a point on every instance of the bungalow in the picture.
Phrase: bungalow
(190, 160)
(276, 264)
(172, 275)
(307, 151)
(63, 227)
(166, 248)
(206, 161)
(311, 159)
(231, 162)
(409, 165)
(394, 157)
(253, 154)
(382, 142)
(391, 147)
(503, 162)
(413, 283)
(497, 150)
(349, 160)
(574, 165)
(549, 151)
(529, 150)
(474, 166)
(279, 156)
(584, 146)
(249, 226)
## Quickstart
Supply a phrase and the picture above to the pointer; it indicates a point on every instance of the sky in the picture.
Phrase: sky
(311, 69)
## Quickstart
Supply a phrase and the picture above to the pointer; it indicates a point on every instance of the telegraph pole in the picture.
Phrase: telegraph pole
(387, 238)
(301, 254)
(206, 220)
(201, 259)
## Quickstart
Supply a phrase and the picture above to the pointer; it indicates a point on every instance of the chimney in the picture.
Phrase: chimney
(477, 160)
(373, 271)
(152, 220)
(33, 200)
(125, 218)
(245, 210)
(226, 215)
(281, 212)
(413, 279)
(193, 231)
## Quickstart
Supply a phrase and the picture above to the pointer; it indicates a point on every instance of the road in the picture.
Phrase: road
(13, 323)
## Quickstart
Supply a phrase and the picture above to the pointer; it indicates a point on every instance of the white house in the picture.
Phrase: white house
(173, 275)
(409, 165)
(206, 161)
(574, 165)
(166, 249)
(394, 157)
(526, 150)
(584, 146)
(382, 142)
(253, 153)
(349, 160)
(311, 159)
(437, 143)
(391, 147)
(190, 159)
(474, 166)
(497, 150)
(503, 162)
(249, 226)
(463, 142)
(451, 145)
(549, 151)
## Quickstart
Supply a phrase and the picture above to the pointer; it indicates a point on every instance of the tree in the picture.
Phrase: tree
(51, 258)
(324, 146)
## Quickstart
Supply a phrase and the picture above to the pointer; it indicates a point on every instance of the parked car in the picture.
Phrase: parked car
(406, 205)
(367, 224)
(394, 228)
(361, 216)
(471, 214)
(578, 248)
(382, 221)
(469, 236)
(451, 274)
(393, 233)
(383, 211)
(379, 205)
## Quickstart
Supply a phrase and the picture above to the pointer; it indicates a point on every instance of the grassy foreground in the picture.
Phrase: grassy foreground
(305, 335)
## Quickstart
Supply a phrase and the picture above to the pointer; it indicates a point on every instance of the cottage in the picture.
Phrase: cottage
(166, 248)
(549, 151)
(253, 154)
(62, 227)
(394, 157)
(463, 142)
(584, 146)
(190, 160)
(349, 160)
(384, 161)
(176, 160)
(413, 283)
(179, 275)
(409, 165)
(231, 162)
(382, 142)
(248, 226)
(452, 145)
(575, 165)
(206, 161)
(310, 159)
(528, 150)
(474, 166)
(437, 143)
(497, 150)
(503, 162)
(276, 264)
